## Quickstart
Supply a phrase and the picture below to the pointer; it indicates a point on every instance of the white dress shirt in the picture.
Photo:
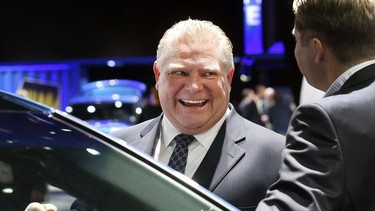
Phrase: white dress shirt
(197, 150)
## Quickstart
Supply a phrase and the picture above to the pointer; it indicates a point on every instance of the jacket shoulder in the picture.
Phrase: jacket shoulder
(133, 132)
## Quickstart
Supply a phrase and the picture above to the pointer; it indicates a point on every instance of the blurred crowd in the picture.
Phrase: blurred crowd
(267, 106)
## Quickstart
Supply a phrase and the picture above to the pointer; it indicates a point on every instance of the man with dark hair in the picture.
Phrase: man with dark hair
(330, 144)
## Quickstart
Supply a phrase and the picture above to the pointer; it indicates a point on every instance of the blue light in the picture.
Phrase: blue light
(253, 27)
(253, 30)
(111, 63)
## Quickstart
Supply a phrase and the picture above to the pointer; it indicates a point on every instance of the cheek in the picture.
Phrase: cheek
(222, 87)
(163, 81)
(296, 51)
(297, 54)
(168, 87)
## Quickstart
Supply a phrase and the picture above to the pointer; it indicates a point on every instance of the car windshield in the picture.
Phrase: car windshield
(78, 164)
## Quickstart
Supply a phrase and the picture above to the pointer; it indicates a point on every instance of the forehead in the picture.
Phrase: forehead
(299, 36)
(295, 32)
(194, 52)
(201, 60)
(175, 65)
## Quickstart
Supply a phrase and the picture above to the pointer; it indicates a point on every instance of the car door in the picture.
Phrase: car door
(72, 163)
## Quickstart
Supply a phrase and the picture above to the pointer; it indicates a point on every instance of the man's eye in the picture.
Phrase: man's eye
(210, 74)
(178, 73)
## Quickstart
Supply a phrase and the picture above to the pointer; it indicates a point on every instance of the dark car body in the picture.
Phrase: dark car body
(79, 163)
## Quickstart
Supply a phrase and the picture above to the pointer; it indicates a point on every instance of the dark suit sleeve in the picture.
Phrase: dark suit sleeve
(312, 167)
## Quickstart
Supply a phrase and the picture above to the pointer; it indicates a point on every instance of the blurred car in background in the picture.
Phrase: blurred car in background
(109, 104)
(80, 163)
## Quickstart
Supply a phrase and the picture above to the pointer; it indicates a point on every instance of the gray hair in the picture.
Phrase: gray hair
(347, 27)
(191, 30)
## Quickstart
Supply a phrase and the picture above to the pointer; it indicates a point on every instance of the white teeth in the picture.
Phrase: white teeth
(193, 101)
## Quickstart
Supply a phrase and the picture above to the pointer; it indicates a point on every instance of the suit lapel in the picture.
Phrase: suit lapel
(148, 136)
(223, 155)
(206, 170)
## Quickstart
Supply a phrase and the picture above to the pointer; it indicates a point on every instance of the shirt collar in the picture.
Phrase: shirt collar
(339, 82)
(169, 132)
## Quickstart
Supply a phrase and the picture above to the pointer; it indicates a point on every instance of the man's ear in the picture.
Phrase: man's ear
(230, 75)
(319, 50)
(156, 74)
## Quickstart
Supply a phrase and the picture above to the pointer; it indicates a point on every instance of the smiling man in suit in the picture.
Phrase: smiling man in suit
(231, 156)
(234, 158)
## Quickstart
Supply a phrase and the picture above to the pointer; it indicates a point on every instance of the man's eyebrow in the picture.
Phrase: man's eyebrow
(176, 66)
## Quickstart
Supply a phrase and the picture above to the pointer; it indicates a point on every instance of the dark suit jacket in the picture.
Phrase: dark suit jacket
(250, 111)
(330, 155)
(240, 165)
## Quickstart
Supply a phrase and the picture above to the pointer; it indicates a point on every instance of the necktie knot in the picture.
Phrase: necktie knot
(184, 139)
(179, 156)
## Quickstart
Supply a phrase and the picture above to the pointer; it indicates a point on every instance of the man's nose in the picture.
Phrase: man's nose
(194, 83)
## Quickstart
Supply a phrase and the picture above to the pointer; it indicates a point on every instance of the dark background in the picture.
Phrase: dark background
(56, 30)
(43, 31)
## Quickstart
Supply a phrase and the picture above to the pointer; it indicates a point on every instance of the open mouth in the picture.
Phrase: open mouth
(193, 103)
